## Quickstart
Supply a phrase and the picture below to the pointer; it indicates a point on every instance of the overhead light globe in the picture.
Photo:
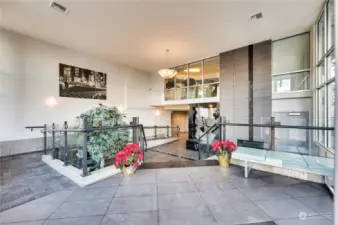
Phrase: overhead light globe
(167, 73)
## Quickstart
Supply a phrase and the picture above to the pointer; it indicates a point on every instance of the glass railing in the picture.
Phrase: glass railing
(289, 146)
(161, 132)
(90, 148)
(169, 94)
(291, 82)
(205, 141)
(192, 92)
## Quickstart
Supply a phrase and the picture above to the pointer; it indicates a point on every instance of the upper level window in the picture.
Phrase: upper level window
(195, 80)
(211, 70)
(330, 25)
(181, 76)
(291, 64)
(169, 85)
(195, 73)
(321, 37)
(181, 82)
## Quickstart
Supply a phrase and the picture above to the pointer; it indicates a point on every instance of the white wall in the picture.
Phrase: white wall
(157, 89)
(29, 71)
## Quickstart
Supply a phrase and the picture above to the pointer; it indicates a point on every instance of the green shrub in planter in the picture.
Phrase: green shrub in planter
(105, 143)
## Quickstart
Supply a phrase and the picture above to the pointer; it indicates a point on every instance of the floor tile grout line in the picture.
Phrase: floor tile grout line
(105, 214)
(200, 194)
(60, 205)
(284, 218)
(249, 200)
(259, 208)
(310, 184)
(157, 202)
(296, 199)
(62, 218)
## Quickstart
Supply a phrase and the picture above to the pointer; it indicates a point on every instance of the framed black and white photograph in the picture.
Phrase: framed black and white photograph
(76, 82)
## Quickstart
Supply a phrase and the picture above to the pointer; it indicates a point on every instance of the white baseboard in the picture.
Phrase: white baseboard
(74, 174)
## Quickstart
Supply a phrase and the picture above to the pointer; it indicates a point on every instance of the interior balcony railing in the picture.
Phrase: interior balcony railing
(161, 132)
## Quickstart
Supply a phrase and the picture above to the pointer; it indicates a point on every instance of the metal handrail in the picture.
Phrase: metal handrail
(152, 127)
(271, 125)
(278, 126)
(90, 129)
(84, 130)
(34, 127)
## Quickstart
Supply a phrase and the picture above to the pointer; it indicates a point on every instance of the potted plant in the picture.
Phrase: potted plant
(223, 150)
(129, 159)
(103, 145)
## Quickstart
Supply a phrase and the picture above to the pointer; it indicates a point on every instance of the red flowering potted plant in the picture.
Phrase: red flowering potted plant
(223, 150)
(129, 159)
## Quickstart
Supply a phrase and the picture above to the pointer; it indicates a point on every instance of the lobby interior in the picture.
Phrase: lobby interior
(182, 75)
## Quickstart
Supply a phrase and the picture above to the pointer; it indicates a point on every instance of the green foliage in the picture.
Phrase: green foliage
(105, 143)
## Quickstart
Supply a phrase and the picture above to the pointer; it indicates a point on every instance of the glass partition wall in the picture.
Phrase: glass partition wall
(325, 75)
(194, 80)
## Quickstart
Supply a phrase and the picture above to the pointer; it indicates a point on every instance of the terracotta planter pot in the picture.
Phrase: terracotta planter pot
(224, 161)
(128, 170)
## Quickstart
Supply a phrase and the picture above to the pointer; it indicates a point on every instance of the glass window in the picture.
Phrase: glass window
(169, 94)
(195, 73)
(321, 115)
(331, 65)
(195, 92)
(189, 84)
(331, 106)
(181, 93)
(321, 74)
(210, 90)
(291, 82)
(211, 70)
(169, 83)
(181, 76)
(330, 23)
(291, 54)
(320, 38)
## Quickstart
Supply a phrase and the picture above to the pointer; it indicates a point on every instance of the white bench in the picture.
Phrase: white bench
(303, 163)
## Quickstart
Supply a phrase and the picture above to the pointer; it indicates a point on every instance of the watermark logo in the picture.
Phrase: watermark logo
(302, 215)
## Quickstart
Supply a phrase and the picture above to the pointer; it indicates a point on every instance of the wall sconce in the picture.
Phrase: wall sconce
(120, 108)
(51, 102)
(157, 113)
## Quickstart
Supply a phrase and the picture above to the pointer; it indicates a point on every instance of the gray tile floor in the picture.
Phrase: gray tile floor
(24, 178)
(182, 196)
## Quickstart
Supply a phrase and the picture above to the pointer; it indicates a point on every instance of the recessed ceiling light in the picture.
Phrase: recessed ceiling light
(57, 6)
(256, 16)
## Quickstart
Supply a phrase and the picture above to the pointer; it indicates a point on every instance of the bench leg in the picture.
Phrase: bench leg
(247, 169)
(327, 183)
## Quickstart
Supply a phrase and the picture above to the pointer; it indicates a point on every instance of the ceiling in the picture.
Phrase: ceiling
(137, 33)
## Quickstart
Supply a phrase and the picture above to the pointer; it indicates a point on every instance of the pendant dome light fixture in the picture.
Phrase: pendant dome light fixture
(167, 73)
